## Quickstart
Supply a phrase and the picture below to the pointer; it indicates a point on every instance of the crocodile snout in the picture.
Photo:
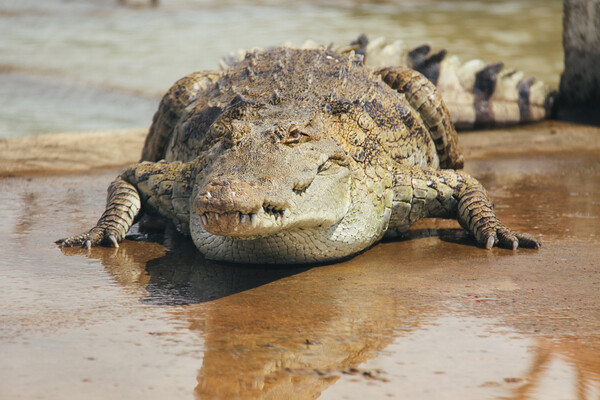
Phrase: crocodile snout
(234, 208)
(228, 196)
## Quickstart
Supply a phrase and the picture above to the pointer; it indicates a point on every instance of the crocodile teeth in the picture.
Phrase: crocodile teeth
(284, 215)
(236, 220)
(213, 216)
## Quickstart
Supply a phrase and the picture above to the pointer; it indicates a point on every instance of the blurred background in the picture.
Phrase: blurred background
(70, 65)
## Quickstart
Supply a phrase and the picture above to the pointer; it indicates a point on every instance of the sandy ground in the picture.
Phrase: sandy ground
(71, 152)
(430, 316)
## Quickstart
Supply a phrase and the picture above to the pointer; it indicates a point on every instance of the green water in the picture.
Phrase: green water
(68, 65)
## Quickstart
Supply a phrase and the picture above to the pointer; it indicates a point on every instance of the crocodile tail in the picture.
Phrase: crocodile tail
(477, 95)
(480, 95)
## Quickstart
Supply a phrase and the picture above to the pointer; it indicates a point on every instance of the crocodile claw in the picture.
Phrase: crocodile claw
(95, 237)
(112, 241)
(506, 238)
(528, 241)
(79, 240)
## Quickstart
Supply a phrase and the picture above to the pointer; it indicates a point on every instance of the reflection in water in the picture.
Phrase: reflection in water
(28, 213)
(295, 332)
(579, 362)
(184, 276)
(266, 345)
(178, 274)
(292, 335)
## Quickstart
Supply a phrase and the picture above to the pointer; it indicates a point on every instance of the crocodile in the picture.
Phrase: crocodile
(294, 155)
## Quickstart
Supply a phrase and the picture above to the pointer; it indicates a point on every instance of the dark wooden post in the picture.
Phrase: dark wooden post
(579, 93)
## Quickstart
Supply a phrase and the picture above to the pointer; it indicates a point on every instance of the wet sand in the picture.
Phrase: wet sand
(430, 316)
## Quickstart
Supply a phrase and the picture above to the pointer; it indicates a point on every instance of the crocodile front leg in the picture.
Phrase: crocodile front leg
(427, 192)
(122, 207)
(155, 188)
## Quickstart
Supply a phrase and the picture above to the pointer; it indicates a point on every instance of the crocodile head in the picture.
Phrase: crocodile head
(279, 174)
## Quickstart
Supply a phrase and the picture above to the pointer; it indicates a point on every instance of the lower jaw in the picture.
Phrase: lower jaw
(297, 246)
(241, 232)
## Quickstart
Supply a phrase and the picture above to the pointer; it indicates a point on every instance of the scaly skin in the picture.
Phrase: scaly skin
(423, 97)
(123, 205)
(295, 156)
(429, 193)
(477, 94)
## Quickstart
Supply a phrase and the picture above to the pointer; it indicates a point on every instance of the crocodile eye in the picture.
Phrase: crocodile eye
(295, 136)
(328, 167)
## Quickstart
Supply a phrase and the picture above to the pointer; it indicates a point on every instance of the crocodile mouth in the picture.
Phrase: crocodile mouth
(236, 223)
(241, 211)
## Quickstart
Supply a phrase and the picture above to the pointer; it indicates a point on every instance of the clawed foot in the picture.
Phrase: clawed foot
(504, 237)
(95, 237)
(476, 215)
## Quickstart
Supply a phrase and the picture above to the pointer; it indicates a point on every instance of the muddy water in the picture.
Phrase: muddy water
(96, 64)
(431, 316)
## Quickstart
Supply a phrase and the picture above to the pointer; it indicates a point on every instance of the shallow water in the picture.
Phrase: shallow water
(68, 65)
(431, 316)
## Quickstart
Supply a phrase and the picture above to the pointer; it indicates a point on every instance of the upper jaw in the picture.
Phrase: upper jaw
(237, 223)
